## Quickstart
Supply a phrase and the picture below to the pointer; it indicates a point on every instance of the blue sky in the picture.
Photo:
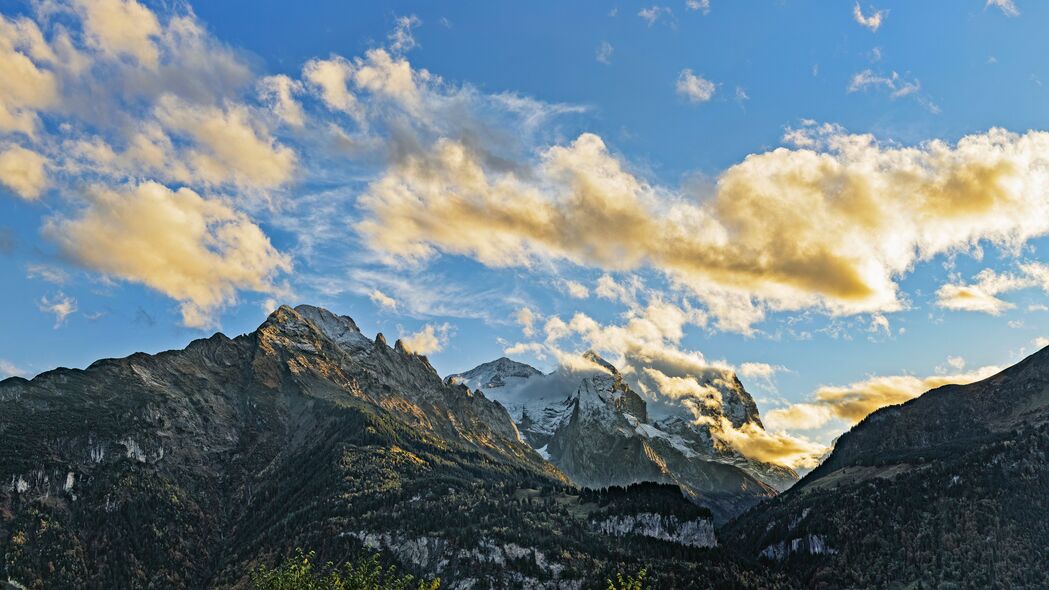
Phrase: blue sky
(324, 153)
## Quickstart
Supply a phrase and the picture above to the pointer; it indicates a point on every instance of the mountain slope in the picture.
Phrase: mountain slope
(593, 426)
(186, 468)
(949, 488)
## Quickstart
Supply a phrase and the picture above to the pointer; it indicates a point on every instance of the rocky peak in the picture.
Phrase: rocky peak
(595, 358)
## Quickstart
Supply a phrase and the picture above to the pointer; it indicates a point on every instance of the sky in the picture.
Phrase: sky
(845, 203)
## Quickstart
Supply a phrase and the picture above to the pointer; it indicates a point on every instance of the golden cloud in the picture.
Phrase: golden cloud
(790, 228)
(23, 171)
(855, 402)
(197, 251)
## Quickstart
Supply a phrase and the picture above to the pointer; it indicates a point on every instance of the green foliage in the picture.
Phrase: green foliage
(635, 582)
(301, 573)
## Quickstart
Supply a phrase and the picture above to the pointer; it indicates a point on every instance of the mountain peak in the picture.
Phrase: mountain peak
(592, 356)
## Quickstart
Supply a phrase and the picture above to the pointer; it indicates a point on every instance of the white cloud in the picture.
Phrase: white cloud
(698, 5)
(1008, 7)
(872, 21)
(694, 88)
(653, 14)
(60, 305)
(604, 52)
(401, 37)
(1040, 342)
(8, 369)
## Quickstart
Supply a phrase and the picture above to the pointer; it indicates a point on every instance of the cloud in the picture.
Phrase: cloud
(762, 373)
(429, 340)
(26, 82)
(197, 251)
(575, 289)
(604, 52)
(228, 146)
(653, 14)
(1008, 7)
(401, 37)
(831, 226)
(773, 447)
(8, 369)
(280, 92)
(382, 299)
(1040, 342)
(61, 305)
(855, 402)
(982, 295)
(872, 21)
(526, 318)
(698, 5)
(121, 28)
(694, 88)
(897, 86)
(47, 273)
(23, 171)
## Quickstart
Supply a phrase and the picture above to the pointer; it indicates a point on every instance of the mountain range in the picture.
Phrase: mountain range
(190, 468)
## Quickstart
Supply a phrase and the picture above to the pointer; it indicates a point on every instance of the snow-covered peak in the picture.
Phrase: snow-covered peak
(501, 372)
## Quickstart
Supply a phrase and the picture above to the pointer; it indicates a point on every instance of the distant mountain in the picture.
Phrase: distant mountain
(593, 426)
(945, 491)
(188, 468)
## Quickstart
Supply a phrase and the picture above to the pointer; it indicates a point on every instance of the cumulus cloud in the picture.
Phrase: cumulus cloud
(429, 340)
(195, 250)
(872, 21)
(695, 89)
(831, 225)
(227, 146)
(1040, 342)
(854, 402)
(121, 28)
(23, 171)
(60, 305)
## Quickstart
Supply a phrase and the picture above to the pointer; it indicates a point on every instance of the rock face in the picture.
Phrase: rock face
(598, 430)
(946, 490)
(187, 468)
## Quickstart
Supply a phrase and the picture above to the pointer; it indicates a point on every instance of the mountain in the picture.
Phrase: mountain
(592, 425)
(945, 491)
(188, 468)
